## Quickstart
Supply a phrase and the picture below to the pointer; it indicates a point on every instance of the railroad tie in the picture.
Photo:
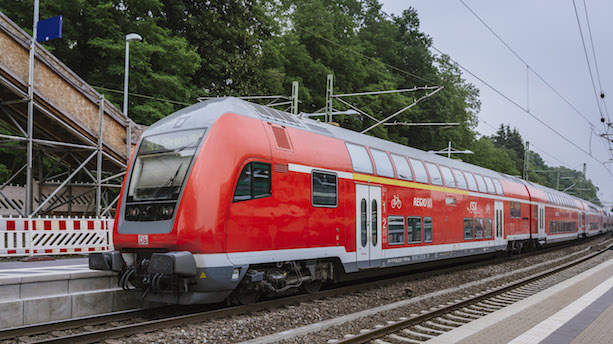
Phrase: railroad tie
(417, 334)
(404, 339)
(447, 327)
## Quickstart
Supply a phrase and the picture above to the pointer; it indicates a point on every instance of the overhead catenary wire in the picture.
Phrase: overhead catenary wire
(528, 67)
(587, 59)
(589, 30)
(142, 96)
(366, 56)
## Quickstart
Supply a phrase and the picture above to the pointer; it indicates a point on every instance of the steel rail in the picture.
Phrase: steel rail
(367, 336)
(192, 317)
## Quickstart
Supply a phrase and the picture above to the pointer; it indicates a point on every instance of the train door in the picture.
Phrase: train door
(499, 223)
(368, 226)
(541, 222)
(581, 223)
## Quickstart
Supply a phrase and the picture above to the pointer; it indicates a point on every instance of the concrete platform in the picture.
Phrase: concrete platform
(37, 292)
(578, 310)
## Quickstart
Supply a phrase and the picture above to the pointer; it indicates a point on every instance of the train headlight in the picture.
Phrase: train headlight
(166, 211)
(133, 212)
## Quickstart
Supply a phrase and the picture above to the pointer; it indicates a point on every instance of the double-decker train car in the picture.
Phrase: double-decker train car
(229, 199)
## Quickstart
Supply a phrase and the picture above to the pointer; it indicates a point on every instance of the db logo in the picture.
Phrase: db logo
(396, 202)
(143, 240)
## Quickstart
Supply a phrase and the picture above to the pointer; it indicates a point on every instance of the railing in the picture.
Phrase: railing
(22, 236)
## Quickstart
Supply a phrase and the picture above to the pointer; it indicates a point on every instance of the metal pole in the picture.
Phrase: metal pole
(295, 97)
(449, 150)
(125, 104)
(329, 93)
(125, 79)
(526, 159)
(99, 162)
(558, 183)
(28, 205)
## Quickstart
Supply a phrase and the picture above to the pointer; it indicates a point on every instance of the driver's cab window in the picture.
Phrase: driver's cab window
(254, 182)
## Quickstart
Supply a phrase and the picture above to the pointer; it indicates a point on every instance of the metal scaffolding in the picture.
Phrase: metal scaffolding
(75, 142)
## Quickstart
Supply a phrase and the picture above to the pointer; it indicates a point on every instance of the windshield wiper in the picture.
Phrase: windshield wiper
(169, 182)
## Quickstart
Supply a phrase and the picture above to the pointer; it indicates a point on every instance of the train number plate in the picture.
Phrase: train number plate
(143, 239)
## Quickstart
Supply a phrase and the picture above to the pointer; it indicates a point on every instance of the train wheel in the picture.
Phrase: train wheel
(312, 286)
(245, 296)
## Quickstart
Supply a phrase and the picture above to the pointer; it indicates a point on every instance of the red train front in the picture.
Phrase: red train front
(228, 198)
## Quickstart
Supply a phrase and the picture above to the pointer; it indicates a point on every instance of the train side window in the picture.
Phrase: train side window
(487, 228)
(490, 185)
(413, 229)
(359, 158)
(459, 177)
(363, 223)
(448, 176)
(499, 189)
(481, 183)
(512, 209)
(468, 229)
(427, 229)
(518, 210)
(402, 167)
(395, 230)
(478, 228)
(324, 189)
(382, 163)
(472, 183)
(435, 174)
(420, 171)
(253, 182)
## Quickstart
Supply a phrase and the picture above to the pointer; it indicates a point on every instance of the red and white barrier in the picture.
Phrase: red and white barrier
(36, 236)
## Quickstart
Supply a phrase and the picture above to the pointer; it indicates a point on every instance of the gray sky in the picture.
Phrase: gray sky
(545, 34)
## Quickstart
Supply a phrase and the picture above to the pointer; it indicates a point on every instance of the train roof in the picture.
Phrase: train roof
(205, 113)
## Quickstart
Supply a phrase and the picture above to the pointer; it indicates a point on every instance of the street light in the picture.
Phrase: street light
(131, 37)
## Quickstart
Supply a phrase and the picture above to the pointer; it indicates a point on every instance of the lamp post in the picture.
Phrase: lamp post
(131, 37)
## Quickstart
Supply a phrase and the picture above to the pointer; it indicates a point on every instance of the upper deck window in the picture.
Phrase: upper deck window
(499, 189)
(382, 163)
(472, 183)
(481, 183)
(402, 167)
(435, 175)
(459, 176)
(449, 181)
(490, 185)
(420, 171)
(359, 158)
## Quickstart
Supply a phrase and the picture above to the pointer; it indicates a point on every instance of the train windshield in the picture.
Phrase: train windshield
(161, 165)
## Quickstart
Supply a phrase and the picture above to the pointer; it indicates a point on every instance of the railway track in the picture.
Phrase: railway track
(118, 324)
(419, 328)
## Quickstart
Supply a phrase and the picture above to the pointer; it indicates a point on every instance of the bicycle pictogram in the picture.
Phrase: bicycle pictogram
(396, 202)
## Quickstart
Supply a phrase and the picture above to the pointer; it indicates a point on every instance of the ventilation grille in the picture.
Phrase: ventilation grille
(281, 137)
(279, 168)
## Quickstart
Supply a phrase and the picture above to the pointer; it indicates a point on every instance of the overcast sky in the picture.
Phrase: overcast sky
(545, 34)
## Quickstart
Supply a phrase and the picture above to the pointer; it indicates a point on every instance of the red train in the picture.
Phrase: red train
(227, 198)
